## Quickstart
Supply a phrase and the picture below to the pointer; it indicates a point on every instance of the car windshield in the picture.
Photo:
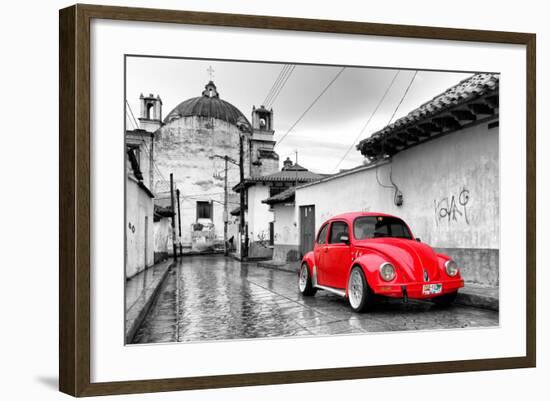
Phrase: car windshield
(380, 226)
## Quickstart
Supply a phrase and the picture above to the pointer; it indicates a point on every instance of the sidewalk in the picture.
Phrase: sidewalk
(475, 295)
(140, 292)
(479, 296)
(292, 267)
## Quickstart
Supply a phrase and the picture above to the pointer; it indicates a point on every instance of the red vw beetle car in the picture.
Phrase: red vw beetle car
(364, 255)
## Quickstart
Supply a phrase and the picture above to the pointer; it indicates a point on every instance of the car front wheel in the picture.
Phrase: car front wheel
(360, 295)
(304, 282)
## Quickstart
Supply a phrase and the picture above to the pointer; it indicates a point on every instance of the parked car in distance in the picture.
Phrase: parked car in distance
(361, 256)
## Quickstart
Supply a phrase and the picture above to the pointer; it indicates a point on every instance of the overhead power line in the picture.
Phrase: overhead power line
(155, 167)
(271, 101)
(136, 125)
(276, 83)
(368, 121)
(403, 97)
(312, 104)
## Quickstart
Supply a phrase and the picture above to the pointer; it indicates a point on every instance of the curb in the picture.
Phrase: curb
(281, 267)
(477, 301)
(135, 323)
(464, 296)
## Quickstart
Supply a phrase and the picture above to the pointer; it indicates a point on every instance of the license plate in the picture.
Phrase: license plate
(429, 289)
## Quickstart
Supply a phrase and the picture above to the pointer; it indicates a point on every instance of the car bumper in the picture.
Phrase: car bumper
(415, 290)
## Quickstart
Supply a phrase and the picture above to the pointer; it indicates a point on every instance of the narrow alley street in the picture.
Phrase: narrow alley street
(209, 298)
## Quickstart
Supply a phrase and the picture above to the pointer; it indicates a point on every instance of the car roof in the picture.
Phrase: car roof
(350, 216)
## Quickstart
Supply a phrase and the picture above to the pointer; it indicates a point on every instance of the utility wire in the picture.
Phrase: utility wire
(394, 112)
(276, 83)
(403, 97)
(130, 120)
(311, 105)
(132, 114)
(368, 121)
(144, 143)
(280, 86)
(273, 99)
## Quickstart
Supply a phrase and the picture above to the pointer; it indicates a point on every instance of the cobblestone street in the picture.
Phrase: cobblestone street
(216, 298)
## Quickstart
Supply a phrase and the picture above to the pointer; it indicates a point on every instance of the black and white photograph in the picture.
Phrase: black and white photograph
(278, 200)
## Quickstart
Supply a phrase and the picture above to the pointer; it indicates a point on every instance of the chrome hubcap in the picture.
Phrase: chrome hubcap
(355, 289)
(303, 279)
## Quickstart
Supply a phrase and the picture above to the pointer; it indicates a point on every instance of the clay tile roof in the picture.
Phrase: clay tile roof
(467, 90)
(288, 175)
(294, 167)
(285, 196)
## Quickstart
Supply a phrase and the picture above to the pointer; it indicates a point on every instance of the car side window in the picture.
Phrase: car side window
(337, 230)
(322, 237)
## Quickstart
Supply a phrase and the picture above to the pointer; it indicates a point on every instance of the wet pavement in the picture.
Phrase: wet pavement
(209, 298)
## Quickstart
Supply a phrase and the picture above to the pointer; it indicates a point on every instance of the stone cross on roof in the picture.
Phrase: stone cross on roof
(210, 72)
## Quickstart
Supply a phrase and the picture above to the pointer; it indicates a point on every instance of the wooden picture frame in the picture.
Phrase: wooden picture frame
(74, 199)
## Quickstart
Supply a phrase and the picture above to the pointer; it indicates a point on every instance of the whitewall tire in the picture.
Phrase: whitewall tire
(360, 295)
(305, 285)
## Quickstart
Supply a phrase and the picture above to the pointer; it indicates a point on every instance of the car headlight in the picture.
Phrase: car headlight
(451, 268)
(387, 271)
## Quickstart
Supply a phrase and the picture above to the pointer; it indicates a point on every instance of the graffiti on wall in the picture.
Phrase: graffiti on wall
(453, 208)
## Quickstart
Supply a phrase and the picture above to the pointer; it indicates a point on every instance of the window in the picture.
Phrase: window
(204, 210)
(380, 226)
(337, 230)
(322, 237)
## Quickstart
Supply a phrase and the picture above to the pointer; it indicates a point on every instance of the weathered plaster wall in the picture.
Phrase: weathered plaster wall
(162, 230)
(185, 148)
(139, 234)
(450, 187)
(259, 216)
(286, 233)
(265, 165)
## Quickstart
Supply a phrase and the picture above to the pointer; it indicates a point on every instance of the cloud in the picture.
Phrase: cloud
(326, 132)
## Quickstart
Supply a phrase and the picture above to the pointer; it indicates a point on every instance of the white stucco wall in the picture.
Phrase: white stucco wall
(450, 187)
(139, 235)
(286, 226)
(259, 214)
(163, 235)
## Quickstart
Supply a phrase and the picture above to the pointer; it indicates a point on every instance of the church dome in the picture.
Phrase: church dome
(208, 105)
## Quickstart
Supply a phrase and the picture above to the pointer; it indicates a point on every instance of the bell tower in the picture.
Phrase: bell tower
(264, 159)
(262, 120)
(150, 118)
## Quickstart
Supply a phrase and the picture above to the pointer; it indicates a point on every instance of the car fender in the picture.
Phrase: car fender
(309, 259)
(443, 257)
(370, 263)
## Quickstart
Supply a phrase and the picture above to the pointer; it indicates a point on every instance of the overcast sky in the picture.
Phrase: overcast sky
(327, 131)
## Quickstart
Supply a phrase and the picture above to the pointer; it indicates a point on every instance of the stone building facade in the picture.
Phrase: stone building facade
(188, 143)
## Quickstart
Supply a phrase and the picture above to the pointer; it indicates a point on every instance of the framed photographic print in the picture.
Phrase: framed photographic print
(249, 200)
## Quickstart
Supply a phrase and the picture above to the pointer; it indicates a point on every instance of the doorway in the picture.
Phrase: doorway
(307, 228)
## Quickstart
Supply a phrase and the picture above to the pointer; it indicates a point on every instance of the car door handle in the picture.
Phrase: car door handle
(326, 250)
